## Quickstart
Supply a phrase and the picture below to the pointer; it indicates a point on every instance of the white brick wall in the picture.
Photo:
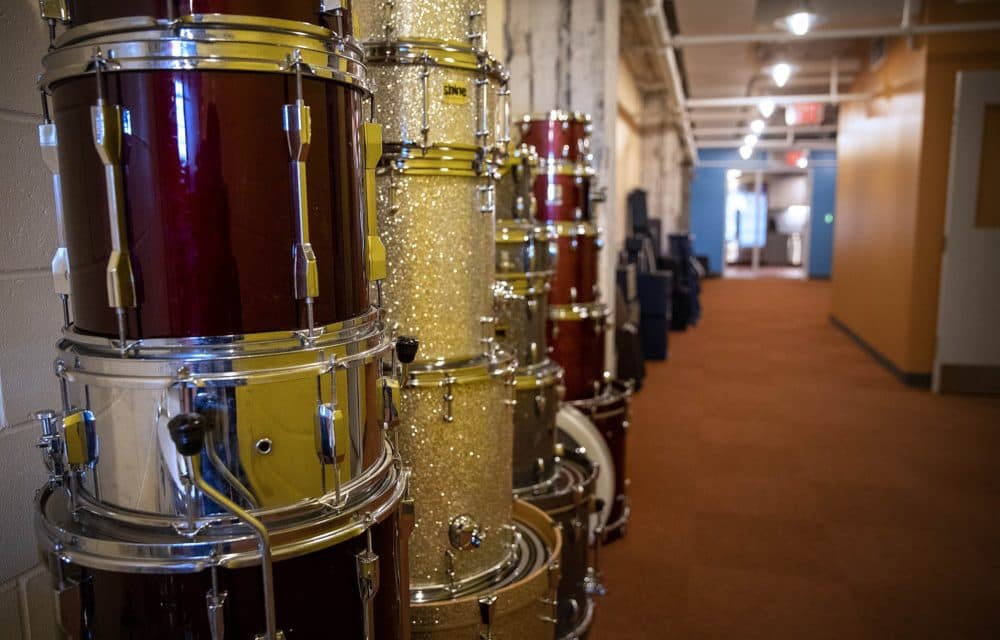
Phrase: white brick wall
(29, 321)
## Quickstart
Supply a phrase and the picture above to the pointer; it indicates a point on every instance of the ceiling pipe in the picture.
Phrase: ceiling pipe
(734, 131)
(654, 10)
(750, 101)
(770, 144)
(907, 31)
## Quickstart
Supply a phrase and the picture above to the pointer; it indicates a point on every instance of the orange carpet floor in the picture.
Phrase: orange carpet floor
(786, 486)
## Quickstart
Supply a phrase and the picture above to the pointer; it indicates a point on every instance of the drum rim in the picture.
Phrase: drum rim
(576, 228)
(453, 160)
(556, 115)
(482, 368)
(552, 500)
(206, 48)
(616, 391)
(519, 230)
(580, 311)
(415, 51)
(307, 523)
(543, 374)
(563, 167)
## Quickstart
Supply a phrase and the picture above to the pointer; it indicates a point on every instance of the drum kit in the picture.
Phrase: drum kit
(332, 356)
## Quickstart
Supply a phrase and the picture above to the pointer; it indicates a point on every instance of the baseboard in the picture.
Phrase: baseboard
(978, 380)
(915, 380)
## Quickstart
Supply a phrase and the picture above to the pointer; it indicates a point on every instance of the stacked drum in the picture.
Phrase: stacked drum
(577, 318)
(561, 482)
(219, 467)
(481, 564)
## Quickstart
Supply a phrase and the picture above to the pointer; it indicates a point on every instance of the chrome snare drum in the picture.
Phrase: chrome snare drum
(456, 433)
(435, 214)
(459, 23)
(525, 257)
(455, 99)
(288, 418)
(539, 392)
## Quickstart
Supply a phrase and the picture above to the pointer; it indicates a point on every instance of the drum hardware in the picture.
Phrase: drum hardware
(68, 596)
(486, 197)
(552, 598)
(367, 562)
(448, 398)
(215, 602)
(187, 430)
(298, 130)
(487, 607)
(371, 136)
(51, 445)
(477, 36)
(592, 582)
(425, 73)
(48, 140)
(328, 420)
(464, 533)
(107, 125)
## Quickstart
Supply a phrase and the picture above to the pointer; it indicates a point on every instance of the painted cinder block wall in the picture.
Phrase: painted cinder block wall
(30, 321)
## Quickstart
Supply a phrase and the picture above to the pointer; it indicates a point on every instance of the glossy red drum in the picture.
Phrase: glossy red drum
(207, 190)
(562, 192)
(558, 136)
(576, 335)
(578, 248)
(610, 411)
(87, 11)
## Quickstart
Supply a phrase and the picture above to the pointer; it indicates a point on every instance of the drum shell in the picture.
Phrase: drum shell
(611, 412)
(538, 393)
(210, 258)
(439, 242)
(521, 326)
(570, 501)
(134, 398)
(562, 197)
(558, 137)
(577, 265)
(443, 20)
(451, 459)
(577, 344)
(454, 110)
(525, 251)
(520, 612)
(515, 184)
(87, 11)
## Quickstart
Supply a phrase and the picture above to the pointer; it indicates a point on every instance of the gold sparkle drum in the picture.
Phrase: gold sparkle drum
(455, 431)
(460, 23)
(454, 99)
(288, 418)
(435, 214)
(520, 606)
(538, 393)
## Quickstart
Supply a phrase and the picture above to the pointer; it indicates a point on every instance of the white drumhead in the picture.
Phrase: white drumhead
(577, 427)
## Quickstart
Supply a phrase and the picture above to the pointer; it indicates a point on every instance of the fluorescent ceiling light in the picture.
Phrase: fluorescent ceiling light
(757, 126)
(749, 139)
(746, 151)
(766, 107)
(799, 20)
(781, 73)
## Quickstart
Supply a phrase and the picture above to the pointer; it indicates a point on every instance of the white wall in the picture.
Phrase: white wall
(628, 147)
(30, 319)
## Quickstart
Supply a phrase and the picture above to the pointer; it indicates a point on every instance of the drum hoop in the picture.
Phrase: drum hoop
(522, 232)
(439, 161)
(564, 168)
(476, 370)
(381, 492)
(542, 375)
(556, 115)
(416, 52)
(615, 392)
(553, 502)
(572, 312)
(206, 49)
(432, 593)
(582, 228)
(527, 284)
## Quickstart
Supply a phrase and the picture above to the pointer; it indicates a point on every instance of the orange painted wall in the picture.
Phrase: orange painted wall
(893, 158)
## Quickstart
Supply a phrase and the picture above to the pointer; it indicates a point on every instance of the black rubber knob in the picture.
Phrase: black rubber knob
(599, 503)
(187, 430)
(406, 349)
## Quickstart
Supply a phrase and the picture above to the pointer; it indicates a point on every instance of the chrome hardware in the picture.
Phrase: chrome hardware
(488, 326)
(328, 420)
(54, 10)
(592, 581)
(68, 597)
(391, 399)
(554, 574)
(107, 128)
(215, 602)
(297, 122)
(51, 444)
(48, 140)
(449, 571)
(80, 437)
(425, 73)
(539, 468)
(464, 533)
(448, 398)
(264, 446)
(483, 112)
(487, 611)
(581, 516)
(367, 564)
(387, 26)
(371, 135)
(486, 197)
(477, 36)
(503, 109)
(540, 402)
(187, 430)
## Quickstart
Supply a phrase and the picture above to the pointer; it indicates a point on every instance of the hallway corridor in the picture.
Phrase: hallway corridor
(786, 486)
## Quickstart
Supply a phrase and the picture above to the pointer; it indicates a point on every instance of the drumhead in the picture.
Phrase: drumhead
(576, 430)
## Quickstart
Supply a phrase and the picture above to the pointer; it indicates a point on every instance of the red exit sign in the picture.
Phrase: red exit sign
(805, 113)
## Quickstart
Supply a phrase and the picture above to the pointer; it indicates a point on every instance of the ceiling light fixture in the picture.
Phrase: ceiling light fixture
(766, 107)
(749, 139)
(800, 20)
(781, 73)
(802, 162)
(757, 126)
(746, 151)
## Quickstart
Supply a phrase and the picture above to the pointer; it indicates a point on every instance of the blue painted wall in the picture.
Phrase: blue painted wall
(822, 209)
(708, 206)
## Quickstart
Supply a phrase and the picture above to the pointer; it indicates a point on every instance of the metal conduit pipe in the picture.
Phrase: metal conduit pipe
(751, 101)
(834, 34)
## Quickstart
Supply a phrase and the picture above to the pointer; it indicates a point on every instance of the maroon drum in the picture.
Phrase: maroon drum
(562, 192)
(207, 190)
(610, 411)
(87, 11)
(577, 255)
(558, 136)
(576, 335)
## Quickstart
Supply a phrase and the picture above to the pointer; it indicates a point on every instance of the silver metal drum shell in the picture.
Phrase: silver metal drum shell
(262, 409)
(524, 249)
(538, 393)
(521, 321)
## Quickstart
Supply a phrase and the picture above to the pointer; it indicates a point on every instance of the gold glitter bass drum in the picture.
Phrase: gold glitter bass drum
(457, 23)
(436, 217)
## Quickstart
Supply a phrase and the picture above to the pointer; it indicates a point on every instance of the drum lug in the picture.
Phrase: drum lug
(425, 127)
(215, 603)
(592, 581)
(297, 123)
(552, 599)
(487, 611)
(329, 420)
(482, 101)
(477, 31)
(376, 259)
(503, 109)
(486, 197)
(54, 10)
(448, 398)
(387, 27)
(68, 597)
(367, 565)
(48, 140)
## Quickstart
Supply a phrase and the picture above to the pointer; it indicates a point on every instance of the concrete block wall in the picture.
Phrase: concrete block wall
(30, 319)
